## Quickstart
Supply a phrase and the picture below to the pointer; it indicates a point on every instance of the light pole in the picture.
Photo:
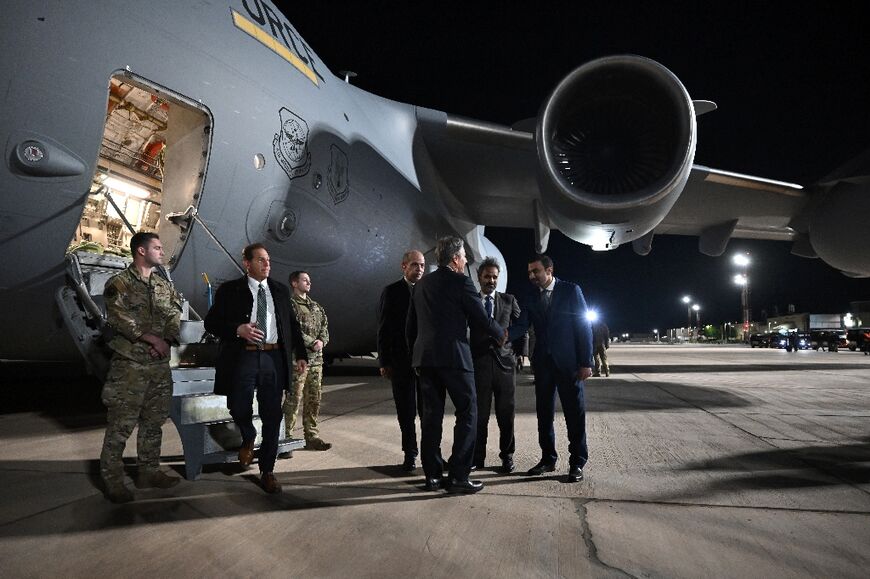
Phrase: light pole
(656, 332)
(688, 301)
(697, 310)
(742, 279)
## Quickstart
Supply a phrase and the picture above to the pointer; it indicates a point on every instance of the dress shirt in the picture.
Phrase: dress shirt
(271, 323)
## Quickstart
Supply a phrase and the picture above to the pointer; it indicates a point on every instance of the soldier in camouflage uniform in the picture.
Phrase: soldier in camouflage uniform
(307, 385)
(144, 314)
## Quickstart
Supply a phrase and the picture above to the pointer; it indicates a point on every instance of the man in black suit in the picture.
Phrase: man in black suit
(393, 355)
(442, 305)
(258, 337)
(495, 368)
(562, 361)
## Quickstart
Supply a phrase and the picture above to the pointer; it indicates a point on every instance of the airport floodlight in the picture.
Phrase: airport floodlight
(696, 307)
(741, 259)
(740, 279)
(591, 315)
(686, 299)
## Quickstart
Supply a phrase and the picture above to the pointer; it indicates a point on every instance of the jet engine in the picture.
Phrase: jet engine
(837, 229)
(615, 143)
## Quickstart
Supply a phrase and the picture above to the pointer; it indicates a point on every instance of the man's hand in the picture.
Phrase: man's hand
(159, 346)
(584, 373)
(317, 345)
(301, 366)
(387, 372)
(503, 339)
(250, 333)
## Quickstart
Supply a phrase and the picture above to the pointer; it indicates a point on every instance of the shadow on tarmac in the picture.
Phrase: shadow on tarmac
(788, 468)
(238, 495)
(726, 368)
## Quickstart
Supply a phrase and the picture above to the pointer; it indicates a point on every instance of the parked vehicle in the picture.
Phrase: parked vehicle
(759, 340)
(857, 337)
(778, 341)
(828, 340)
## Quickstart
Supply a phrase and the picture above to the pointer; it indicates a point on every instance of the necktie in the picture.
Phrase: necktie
(261, 311)
(545, 299)
(488, 306)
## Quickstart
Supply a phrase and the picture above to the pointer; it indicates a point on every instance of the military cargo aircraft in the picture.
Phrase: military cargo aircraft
(216, 125)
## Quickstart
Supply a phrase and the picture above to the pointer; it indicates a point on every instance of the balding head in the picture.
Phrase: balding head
(413, 265)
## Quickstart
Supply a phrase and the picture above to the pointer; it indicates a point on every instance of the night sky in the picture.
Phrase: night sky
(791, 80)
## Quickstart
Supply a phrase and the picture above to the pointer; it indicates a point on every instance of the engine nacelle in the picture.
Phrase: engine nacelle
(616, 140)
(838, 228)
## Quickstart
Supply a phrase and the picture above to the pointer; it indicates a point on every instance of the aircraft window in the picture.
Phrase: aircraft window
(152, 142)
(259, 161)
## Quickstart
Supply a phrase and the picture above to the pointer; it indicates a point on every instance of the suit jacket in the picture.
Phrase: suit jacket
(392, 315)
(443, 304)
(562, 331)
(232, 306)
(505, 310)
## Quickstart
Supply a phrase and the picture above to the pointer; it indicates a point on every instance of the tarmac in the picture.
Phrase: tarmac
(705, 461)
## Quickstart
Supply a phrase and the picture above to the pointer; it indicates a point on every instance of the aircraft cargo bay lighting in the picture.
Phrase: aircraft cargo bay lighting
(123, 186)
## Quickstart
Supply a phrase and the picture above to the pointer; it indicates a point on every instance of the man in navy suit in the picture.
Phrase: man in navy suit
(443, 303)
(258, 337)
(562, 362)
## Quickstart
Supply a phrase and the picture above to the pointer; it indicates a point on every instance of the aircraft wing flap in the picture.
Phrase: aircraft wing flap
(762, 208)
(486, 174)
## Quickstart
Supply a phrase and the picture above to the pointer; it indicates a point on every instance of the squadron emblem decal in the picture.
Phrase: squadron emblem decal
(339, 188)
(290, 144)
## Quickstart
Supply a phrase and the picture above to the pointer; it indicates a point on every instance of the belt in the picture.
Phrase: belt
(262, 347)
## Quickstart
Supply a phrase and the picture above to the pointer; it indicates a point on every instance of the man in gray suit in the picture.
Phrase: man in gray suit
(495, 368)
(443, 303)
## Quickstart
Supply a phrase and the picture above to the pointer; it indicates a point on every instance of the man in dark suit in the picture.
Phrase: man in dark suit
(258, 337)
(393, 355)
(443, 304)
(495, 367)
(562, 360)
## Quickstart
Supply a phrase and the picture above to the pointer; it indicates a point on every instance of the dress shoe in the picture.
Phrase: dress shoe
(118, 493)
(270, 483)
(286, 454)
(507, 465)
(410, 463)
(542, 467)
(466, 486)
(317, 444)
(596, 375)
(246, 453)
(155, 479)
(575, 474)
(433, 484)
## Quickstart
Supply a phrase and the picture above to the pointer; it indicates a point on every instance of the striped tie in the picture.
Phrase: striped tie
(261, 311)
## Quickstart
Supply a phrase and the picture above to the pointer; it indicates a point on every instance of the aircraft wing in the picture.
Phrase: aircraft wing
(489, 175)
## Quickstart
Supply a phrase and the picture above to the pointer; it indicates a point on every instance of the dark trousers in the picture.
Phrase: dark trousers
(434, 384)
(492, 380)
(264, 373)
(548, 381)
(406, 394)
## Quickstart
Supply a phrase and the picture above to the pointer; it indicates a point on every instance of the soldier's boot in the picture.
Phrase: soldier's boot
(317, 444)
(155, 479)
(117, 492)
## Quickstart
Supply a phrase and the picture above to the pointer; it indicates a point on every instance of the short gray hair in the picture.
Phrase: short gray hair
(446, 248)
(488, 262)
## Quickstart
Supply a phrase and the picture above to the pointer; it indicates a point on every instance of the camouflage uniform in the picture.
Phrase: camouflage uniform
(314, 326)
(138, 388)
